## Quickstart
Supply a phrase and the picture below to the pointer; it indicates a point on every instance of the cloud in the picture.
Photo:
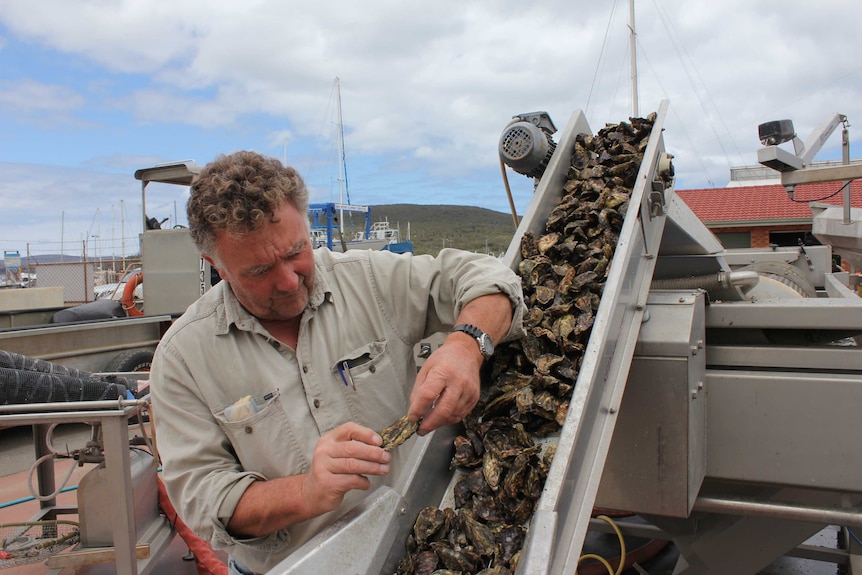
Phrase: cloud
(46, 206)
(29, 97)
(426, 89)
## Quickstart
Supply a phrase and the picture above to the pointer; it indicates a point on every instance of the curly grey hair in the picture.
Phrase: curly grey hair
(237, 193)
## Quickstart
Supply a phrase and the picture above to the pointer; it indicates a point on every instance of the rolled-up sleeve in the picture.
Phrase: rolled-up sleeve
(439, 287)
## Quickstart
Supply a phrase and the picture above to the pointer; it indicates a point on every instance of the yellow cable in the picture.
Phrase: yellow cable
(616, 529)
(601, 560)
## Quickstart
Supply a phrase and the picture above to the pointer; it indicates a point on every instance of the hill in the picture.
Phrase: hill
(431, 227)
(463, 227)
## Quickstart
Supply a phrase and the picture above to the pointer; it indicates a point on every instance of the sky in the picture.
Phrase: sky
(92, 90)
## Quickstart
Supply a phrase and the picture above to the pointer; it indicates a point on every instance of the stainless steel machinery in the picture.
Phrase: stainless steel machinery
(117, 500)
(724, 414)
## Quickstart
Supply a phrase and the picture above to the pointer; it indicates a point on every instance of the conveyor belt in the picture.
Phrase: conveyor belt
(370, 539)
(561, 520)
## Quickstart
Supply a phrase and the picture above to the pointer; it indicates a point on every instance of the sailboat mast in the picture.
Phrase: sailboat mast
(342, 176)
(633, 40)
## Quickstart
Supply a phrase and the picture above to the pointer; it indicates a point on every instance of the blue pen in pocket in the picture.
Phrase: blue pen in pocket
(344, 372)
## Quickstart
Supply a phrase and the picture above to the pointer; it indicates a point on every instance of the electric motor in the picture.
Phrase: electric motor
(526, 145)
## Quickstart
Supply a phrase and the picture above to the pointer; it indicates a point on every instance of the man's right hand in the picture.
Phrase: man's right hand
(343, 458)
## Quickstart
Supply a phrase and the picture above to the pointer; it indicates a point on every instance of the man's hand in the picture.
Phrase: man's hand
(342, 460)
(447, 386)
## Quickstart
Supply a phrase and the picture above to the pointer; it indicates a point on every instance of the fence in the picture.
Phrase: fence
(87, 280)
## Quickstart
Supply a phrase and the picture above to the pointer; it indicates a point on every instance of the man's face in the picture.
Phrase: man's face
(271, 270)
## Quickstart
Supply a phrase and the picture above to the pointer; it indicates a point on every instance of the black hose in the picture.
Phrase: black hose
(26, 379)
(20, 386)
(12, 360)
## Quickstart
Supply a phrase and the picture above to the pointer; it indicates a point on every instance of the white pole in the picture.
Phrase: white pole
(845, 155)
(340, 137)
(634, 59)
(123, 235)
(113, 239)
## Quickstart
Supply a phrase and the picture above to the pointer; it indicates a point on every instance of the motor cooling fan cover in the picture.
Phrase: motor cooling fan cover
(526, 148)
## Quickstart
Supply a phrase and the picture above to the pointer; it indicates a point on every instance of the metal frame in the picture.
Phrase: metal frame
(86, 345)
(113, 417)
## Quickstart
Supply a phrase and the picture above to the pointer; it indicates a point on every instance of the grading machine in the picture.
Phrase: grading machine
(718, 399)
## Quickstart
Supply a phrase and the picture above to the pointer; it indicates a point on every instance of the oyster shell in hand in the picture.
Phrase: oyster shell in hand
(398, 433)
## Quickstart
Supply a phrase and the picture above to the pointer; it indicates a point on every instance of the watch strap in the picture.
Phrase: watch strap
(478, 335)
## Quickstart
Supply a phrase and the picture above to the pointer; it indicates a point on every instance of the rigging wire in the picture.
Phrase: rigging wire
(681, 123)
(703, 95)
(621, 68)
(342, 169)
(323, 132)
(601, 55)
(688, 63)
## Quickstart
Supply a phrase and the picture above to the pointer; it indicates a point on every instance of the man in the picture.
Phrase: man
(267, 392)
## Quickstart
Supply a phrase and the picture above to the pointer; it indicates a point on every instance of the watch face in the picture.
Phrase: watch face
(487, 345)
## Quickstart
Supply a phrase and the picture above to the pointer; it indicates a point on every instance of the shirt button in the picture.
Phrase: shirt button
(372, 369)
(304, 369)
(316, 403)
(248, 429)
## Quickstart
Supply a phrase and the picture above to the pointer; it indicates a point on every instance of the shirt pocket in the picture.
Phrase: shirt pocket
(263, 441)
(375, 391)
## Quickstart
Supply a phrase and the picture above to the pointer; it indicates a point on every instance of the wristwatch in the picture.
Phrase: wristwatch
(486, 344)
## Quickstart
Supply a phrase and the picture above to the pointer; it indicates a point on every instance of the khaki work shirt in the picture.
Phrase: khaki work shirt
(368, 309)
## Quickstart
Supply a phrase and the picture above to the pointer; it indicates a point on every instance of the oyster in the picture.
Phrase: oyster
(398, 433)
(465, 454)
(479, 534)
(459, 560)
(428, 523)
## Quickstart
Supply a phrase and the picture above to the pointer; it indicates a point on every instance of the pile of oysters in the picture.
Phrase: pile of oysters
(501, 458)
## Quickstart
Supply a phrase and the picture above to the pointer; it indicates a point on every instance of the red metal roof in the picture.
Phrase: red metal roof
(753, 205)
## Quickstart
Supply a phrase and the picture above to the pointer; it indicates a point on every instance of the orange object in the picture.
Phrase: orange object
(128, 299)
(206, 560)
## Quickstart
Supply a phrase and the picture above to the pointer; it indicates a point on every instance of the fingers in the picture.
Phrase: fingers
(354, 450)
(426, 390)
(343, 458)
(446, 389)
(355, 432)
(445, 410)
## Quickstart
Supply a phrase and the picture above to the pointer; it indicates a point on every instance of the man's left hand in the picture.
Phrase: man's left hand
(447, 386)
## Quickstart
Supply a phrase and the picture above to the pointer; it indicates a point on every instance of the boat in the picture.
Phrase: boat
(326, 220)
(324, 229)
(382, 230)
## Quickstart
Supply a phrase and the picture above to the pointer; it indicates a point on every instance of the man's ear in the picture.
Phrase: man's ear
(210, 261)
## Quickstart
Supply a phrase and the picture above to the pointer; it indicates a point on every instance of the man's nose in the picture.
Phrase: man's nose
(288, 279)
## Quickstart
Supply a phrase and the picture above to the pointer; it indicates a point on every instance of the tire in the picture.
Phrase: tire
(131, 360)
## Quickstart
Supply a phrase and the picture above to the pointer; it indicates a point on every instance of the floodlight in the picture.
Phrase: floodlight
(776, 132)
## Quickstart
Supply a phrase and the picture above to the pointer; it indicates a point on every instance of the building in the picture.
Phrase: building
(760, 214)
